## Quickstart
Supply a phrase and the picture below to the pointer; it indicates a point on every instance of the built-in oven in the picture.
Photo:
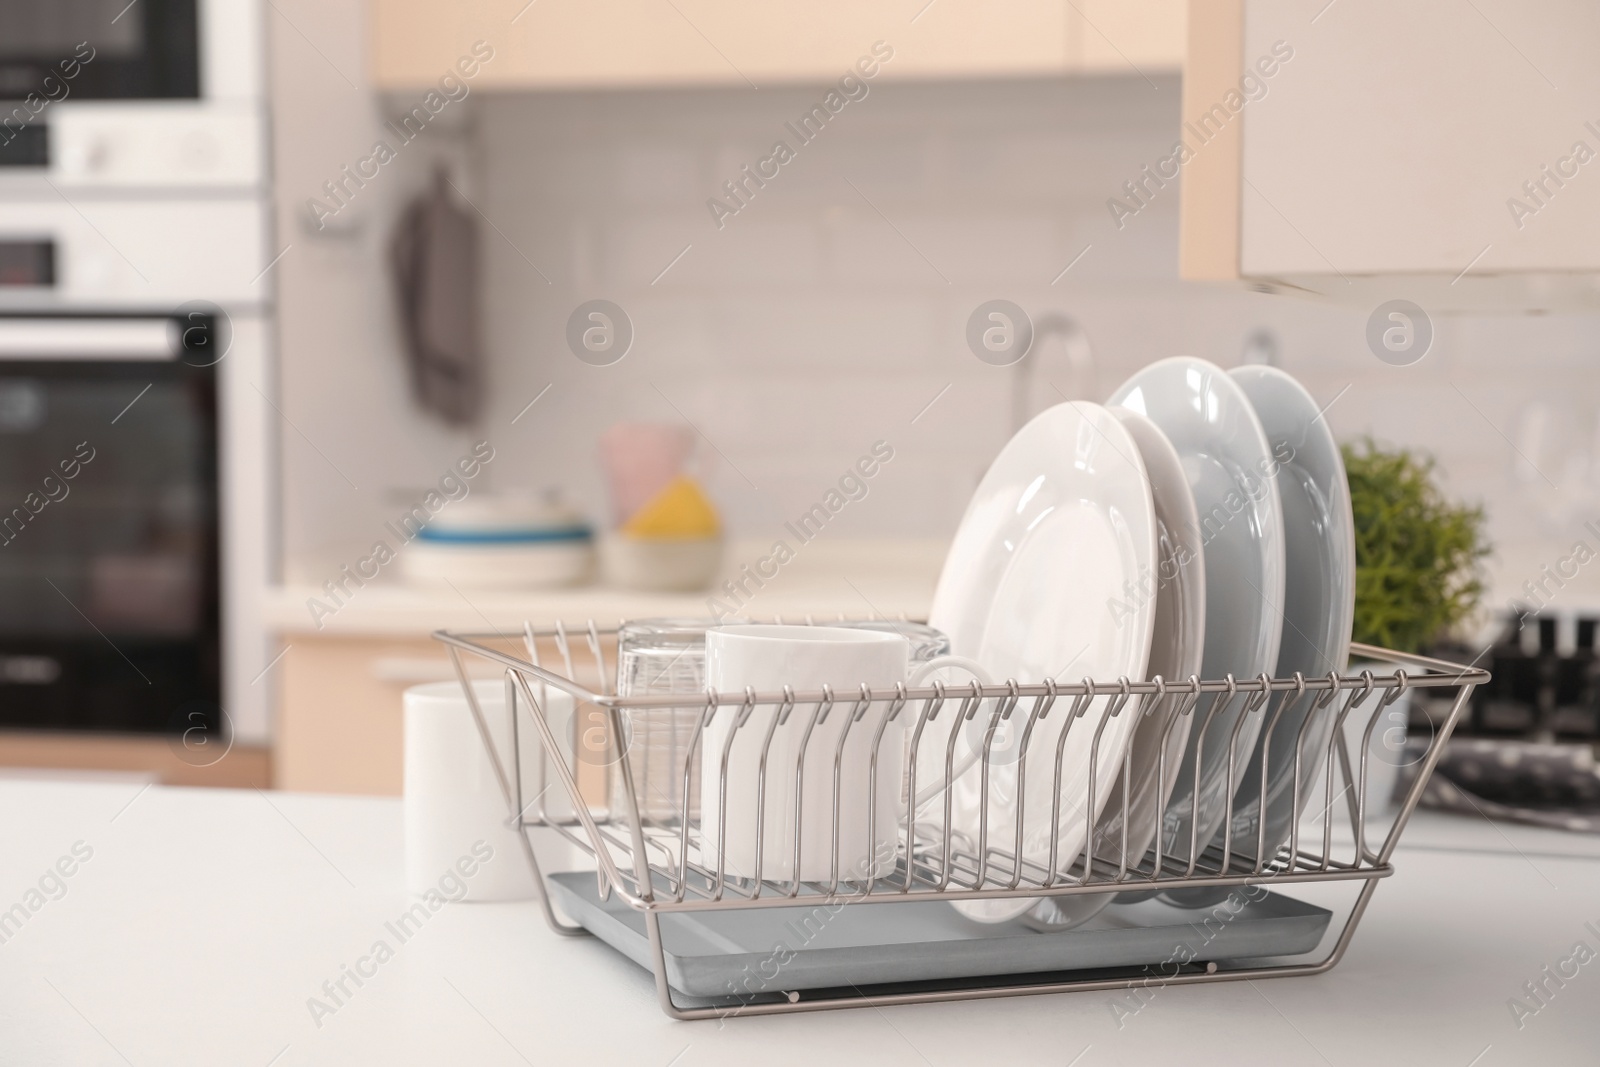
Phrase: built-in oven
(136, 281)
(110, 596)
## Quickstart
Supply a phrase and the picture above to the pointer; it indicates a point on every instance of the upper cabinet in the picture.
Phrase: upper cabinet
(556, 44)
(1440, 150)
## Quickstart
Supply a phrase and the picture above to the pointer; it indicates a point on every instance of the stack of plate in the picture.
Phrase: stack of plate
(500, 542)
(1199, 526)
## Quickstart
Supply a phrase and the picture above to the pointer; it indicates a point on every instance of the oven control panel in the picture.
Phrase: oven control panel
(149, 145)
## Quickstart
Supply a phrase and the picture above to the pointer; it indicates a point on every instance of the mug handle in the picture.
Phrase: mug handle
(962, 762)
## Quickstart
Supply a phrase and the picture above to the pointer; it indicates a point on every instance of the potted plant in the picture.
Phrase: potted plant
(1418, 556)
(1418, 577)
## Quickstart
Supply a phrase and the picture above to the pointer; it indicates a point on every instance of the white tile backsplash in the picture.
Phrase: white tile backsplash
(831, 308)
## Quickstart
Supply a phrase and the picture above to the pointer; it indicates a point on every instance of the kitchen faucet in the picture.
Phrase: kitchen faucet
(1260, 347)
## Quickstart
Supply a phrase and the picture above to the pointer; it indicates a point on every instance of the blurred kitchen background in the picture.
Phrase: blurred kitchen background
(987, 159)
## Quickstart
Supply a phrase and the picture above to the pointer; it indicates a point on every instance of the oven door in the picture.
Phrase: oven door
(109, 586)
(99, 49)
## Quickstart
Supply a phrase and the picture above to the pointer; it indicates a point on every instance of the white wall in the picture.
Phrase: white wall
(831, 310)
(815, 322)
(354, 451)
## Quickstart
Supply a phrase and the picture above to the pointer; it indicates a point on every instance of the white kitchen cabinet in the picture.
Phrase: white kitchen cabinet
(613, 43)
(1441, 150)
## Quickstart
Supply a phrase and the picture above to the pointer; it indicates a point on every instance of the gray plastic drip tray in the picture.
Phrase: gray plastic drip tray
(742, 953)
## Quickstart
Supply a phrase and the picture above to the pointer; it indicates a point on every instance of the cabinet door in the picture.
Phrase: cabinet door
(1403, 137)
(819, 40)
(574, 43)
(1126, 36)
(1434, 140)
(340, 726)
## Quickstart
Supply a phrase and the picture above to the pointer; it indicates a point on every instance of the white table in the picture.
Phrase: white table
(205, 920)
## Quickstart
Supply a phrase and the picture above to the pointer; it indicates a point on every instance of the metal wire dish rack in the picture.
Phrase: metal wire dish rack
(654, 864)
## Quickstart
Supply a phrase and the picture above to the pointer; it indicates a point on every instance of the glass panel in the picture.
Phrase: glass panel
(52, 28)
(105, 495)
(94, 50)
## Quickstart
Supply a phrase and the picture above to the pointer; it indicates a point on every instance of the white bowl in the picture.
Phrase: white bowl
(659, 564)
(498, 566)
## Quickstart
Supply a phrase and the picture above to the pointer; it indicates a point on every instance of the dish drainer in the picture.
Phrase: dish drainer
(661, 866)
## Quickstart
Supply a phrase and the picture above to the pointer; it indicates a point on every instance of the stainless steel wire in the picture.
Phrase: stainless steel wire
(981, 837)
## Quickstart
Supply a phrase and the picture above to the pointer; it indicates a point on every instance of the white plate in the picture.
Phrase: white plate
(1319, 597)
(1229, 465)
(1178, 586)
(1060, 523)
(1177, 644)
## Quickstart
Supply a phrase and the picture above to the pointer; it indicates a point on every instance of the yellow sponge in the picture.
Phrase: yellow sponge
(680, 510)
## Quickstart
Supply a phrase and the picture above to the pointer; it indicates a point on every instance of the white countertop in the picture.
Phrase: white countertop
(204, 920)
(855, 578)
(851, 577)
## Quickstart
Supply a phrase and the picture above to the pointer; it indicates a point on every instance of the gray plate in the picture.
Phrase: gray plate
(765, 950)
(1319, 600)
(1230, 467)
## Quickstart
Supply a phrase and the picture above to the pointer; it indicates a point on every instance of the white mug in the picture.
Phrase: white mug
(805, 658)
(455, 813)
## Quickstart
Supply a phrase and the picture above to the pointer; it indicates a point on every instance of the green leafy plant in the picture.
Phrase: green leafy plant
(1418, 556)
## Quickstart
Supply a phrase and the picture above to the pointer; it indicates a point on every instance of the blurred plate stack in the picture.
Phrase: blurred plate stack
(502, 542)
